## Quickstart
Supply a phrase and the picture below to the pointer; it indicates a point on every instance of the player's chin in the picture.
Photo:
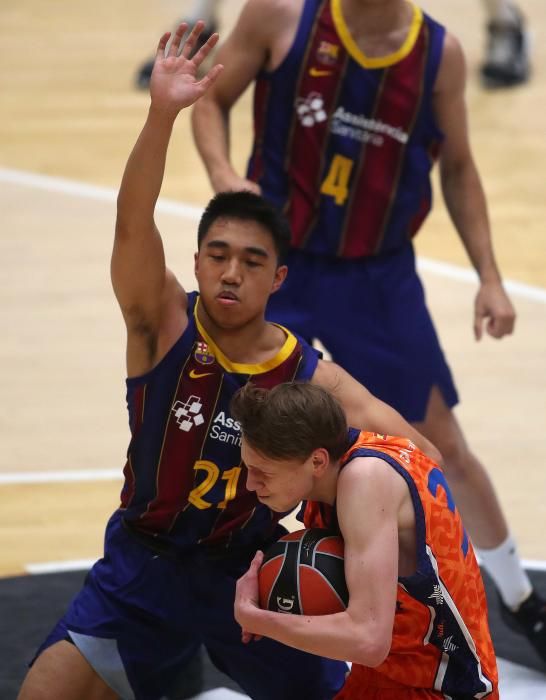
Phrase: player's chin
(267, 501)
(276, 505)
(231, 315)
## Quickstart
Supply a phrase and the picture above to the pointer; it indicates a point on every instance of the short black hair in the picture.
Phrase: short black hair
(247, 206)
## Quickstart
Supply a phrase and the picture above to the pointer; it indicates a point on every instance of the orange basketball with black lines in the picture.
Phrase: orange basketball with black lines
(303, 574)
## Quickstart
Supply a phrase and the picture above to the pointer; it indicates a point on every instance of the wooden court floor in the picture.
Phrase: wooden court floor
(68, 117)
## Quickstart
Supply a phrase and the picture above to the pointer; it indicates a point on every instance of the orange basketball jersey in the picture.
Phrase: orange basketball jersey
(441, 641)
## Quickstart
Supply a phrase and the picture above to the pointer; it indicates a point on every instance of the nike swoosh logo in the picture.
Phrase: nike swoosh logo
(317, 73)
(198, 375)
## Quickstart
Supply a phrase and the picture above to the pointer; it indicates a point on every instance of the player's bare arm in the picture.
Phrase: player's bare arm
(151, 299)
(464, 195)
(363, 632)
(254, 44)
(365, 411)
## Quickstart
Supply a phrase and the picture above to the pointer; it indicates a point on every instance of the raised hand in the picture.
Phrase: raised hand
(174, 84)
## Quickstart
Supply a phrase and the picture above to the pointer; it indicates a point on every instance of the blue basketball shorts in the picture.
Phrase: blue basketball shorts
(371, 316)
(140, 618)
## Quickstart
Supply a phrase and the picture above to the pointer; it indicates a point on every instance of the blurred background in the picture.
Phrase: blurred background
(69, 115)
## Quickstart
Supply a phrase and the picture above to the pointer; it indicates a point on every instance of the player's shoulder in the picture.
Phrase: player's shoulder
(452, 69)
(452, 48)
(368, 485)
(371, 474)
(269, 16)
(284, 7)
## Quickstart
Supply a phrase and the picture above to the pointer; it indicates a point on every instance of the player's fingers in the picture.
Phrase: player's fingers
(493, 328)
(498, 326)
(258, 559)
(177, 38)
(210, 77)
(191, 41)
(160, 53)
(478, 325)
(206, 49)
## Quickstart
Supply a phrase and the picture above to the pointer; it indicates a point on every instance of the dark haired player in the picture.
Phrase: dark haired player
(187, 526)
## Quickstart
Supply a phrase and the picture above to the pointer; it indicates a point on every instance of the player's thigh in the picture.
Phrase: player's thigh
(441, 427)
(62, 673)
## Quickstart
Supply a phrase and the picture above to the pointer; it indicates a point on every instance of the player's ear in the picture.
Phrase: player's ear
(320, 460)
(280, 276)
(195, 262)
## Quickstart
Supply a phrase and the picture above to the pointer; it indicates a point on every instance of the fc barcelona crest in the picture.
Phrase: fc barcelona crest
(202, 353)
(327, 53)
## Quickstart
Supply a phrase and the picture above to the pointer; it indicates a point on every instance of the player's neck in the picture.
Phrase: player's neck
(256, 342)
(378, 27)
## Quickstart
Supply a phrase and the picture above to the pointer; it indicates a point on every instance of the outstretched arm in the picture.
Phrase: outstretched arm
(365, 411)
(151, 300)
(464, 195)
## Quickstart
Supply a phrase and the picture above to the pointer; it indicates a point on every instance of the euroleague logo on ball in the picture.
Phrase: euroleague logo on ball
(285, 605)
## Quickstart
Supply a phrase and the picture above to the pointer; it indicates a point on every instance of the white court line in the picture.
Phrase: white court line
(55, 567)
(81, 189)
(189, 211)
(468, 275)
(60, 476)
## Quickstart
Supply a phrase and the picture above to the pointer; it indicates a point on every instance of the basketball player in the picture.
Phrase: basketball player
(187, 527)
(416, 621)
(354, 100)
(506, 61)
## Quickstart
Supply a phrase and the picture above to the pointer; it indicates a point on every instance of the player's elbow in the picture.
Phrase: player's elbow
(372, 651)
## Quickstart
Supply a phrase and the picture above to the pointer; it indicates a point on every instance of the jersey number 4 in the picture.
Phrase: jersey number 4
(336, 182)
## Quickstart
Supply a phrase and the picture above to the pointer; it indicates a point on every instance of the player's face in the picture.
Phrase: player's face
(279, 484)
(237, 270)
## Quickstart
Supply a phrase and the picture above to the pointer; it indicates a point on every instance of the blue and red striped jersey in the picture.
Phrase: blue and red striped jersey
(184, 479)
(344, 143)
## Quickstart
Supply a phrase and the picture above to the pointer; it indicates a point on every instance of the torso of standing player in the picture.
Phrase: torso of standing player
(346, 121)
(378, 27)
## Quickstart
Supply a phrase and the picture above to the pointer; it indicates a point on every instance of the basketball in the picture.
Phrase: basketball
(303, 574)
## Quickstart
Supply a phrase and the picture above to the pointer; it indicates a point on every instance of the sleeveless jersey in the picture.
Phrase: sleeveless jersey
(343, 143)
(184, 480)
(441, 638)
